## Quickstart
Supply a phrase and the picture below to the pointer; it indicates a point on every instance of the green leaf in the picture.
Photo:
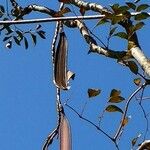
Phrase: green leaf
(112, 31)
(131, 5)
(137, 81)
(26, 43)
(116, 99)
(93, 92)
(133, 67)
(101, 22)
(138, 26)
(122, 35)
(142, 16)
(33, 38)
(41, 33)
(113, 108)
(115, 7)
(142, 7)
(123, 9)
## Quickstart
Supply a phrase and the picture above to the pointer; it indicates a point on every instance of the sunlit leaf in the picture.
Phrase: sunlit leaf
(131, 5)
(116, 99)
(113, 108)
(70, 75)
(133, 67)
(25, 43)
(142, 7)
(142, 16)
(137, 81)
(93, 92)
(122, 35)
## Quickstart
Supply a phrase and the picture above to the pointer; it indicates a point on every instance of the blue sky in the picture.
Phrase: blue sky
(27, 93)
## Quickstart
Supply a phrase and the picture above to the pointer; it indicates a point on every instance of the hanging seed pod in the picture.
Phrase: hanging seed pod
(65, 134)
(60, 63)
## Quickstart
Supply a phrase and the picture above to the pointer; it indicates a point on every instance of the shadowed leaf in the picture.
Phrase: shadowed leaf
(33, 38)
(113, 108)
(133, 67)
(131, 5)
(116, 99)
(41, 33)
(26, 43)
(122, 35)
(142, 7)
(93, 92)
(142, 16)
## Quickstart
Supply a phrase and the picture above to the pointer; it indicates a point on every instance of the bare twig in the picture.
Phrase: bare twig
(126, 110)
(90, 122)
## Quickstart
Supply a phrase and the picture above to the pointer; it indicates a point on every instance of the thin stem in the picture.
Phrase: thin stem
(126, 109)
(90, 122)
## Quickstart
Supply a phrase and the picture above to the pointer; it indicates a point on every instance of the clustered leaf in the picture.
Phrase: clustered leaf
(115, 96)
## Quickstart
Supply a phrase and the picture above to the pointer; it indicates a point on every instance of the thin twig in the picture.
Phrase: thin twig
(126, 110)
(93, 124)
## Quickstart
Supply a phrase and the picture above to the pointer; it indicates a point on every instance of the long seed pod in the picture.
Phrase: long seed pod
(60, 63)
(65, 134)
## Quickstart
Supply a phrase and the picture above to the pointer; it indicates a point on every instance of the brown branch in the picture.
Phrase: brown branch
(126, 110)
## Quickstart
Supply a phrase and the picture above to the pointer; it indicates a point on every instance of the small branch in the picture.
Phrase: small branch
(126, 109)
(90, 122)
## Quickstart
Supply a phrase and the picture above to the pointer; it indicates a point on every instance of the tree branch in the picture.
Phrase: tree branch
(126, 110)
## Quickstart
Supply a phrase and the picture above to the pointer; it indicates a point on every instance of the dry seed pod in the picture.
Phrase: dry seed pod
(65, 134)
(60, 63)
